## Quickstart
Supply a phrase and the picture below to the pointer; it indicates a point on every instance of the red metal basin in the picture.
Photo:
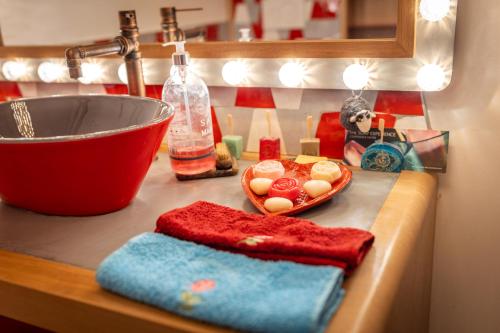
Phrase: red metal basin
(88, 156)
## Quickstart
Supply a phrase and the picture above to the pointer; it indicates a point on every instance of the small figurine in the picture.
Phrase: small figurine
(356, 114)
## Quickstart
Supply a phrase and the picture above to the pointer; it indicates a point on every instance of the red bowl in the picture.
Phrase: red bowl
(88, 156)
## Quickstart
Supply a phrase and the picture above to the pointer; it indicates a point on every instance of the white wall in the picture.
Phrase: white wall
(466, 286)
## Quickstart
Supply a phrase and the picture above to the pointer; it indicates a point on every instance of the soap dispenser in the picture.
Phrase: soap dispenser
(189, 137)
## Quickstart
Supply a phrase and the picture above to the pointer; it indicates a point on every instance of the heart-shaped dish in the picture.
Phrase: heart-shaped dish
(301, 172)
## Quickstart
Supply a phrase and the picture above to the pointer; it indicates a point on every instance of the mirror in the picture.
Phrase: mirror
(400, 44)
(62, 22)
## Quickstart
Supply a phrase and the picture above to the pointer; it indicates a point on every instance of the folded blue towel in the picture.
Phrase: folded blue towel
(221, 287)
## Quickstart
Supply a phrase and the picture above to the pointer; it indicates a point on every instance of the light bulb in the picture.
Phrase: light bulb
(292, 74)
(122, 73)
(356, 76)
(90, 72)
(434, 10)
(430, 77)
(234, 72)
(50, 71)
(14, 70)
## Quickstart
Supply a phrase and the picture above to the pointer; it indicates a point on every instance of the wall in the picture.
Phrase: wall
(466, 291)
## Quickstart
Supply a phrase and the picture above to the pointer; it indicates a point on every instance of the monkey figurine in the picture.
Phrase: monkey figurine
(356, 114)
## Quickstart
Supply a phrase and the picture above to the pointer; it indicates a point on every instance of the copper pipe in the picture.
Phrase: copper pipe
(126, 45)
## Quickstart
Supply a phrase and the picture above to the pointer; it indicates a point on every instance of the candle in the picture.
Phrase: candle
(309, 145)
(269, 148)
(233, 142)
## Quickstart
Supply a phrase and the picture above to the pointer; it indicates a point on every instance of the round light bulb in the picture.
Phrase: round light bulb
(90, 72)
(50, 71)
(234, 72)
(356, 76)
(122, 73)
(292, 74)
(434, 10)
(14, 70)
(430, 77)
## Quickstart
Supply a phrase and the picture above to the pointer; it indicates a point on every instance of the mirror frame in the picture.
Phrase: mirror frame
(392, 63)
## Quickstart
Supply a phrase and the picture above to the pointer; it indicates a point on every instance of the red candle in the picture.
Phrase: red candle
(269, 148)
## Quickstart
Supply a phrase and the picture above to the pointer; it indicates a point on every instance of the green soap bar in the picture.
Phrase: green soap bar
(234, 143)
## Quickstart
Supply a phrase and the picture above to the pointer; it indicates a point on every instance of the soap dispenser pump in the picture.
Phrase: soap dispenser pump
(190, 140)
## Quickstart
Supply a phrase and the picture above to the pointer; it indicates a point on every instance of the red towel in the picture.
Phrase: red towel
(267, 237)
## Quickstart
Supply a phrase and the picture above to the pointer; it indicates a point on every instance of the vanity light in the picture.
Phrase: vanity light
(122, 73)
(14, 70)
(292, 74)
(90, 72)
(50, 71)
(430, 77)
(434, 10)
(234, 72)
(356, 76)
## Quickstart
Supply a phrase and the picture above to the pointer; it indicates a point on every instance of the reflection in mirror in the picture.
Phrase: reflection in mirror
(58, 22)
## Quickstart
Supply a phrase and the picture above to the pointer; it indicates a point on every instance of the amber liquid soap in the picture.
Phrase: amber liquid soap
(189, 136)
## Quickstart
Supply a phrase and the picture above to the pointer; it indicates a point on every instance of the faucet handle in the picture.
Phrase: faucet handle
(128, 19)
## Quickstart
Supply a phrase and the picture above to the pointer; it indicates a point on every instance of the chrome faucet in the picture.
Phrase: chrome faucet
(171, 30)
(126, 45)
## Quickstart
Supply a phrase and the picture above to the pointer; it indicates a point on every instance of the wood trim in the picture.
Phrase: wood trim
(61, 297)
(372, 290)
(407, 26)
(403, 46)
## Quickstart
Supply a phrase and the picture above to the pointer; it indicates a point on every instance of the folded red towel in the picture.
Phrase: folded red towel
(266, 237)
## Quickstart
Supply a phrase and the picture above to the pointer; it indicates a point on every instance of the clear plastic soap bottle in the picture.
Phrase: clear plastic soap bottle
(190, 140)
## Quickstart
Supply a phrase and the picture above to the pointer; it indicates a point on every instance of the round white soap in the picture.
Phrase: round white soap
(326, 170)
(260, 186)
(268, 169)
(315, 188)
(277, 204)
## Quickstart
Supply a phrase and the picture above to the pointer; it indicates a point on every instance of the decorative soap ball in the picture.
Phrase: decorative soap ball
(277, 204)
(326, 170)
(285, 188)
(385, 157)
(315, 188)
(260, 186)
(356, 114)
(269, 169)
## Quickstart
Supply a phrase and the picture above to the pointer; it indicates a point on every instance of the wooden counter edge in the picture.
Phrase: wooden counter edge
(66, 298)
(368, 303)
(63, 297)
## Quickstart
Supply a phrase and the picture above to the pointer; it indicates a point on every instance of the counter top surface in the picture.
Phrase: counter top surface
(86, 241)
(61, 294)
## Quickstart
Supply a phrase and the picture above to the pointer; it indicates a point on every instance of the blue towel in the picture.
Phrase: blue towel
(221, 287)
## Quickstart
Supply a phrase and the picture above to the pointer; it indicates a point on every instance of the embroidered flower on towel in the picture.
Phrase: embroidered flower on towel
(254, 240)
(202, 285)
(189, 299)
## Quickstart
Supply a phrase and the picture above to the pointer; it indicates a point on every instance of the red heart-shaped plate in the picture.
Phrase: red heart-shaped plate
(301, 172)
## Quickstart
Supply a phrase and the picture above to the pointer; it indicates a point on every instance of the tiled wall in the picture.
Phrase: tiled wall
(289, 109)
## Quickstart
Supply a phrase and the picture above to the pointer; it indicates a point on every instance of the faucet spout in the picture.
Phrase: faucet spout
(126, 45)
